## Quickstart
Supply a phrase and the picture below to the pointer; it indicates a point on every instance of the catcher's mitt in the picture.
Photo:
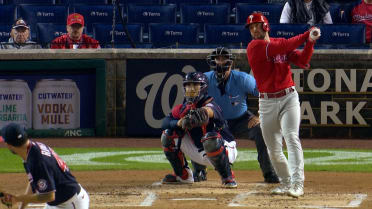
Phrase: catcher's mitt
(195, 118)
(6, 200)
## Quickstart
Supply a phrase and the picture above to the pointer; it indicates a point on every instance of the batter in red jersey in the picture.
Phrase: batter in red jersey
(279, 106)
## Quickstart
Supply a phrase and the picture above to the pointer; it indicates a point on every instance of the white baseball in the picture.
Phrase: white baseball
(315, 34)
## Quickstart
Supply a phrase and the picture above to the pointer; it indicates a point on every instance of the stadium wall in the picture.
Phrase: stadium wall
(335, 94)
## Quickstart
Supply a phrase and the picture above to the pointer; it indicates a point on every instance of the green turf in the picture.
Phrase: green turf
(341, 160)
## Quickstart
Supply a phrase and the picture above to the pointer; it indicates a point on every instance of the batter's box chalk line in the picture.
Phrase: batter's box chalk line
(239, 199)
(355, 203)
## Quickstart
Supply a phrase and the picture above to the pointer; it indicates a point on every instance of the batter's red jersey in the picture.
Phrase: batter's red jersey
(270, 61)
(64, 42)
(362, 13)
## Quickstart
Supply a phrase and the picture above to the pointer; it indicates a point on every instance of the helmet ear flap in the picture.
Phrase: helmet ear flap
(265, 26)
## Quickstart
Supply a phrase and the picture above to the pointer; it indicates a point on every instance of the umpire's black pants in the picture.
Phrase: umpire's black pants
(239, 128)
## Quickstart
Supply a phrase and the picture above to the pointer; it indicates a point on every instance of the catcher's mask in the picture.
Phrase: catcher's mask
(14, 134)
(220, 60)
(195, 86)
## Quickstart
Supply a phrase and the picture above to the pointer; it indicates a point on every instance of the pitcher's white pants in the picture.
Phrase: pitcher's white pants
(78, 201)
(281, 117)
(188, 148)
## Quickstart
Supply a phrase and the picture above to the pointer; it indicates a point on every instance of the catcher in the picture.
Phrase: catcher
(50, 179)
(197, 129)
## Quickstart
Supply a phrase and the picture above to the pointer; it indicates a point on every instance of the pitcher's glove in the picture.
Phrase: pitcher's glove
(6, 200)
(195, 118)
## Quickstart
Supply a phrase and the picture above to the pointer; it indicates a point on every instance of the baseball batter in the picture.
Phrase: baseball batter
(50, 179)
(279, 106)
(197, 129)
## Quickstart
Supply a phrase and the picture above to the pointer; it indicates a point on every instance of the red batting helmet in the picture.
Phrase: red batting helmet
(258, 17)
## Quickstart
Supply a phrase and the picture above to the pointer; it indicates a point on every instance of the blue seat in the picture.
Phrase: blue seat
(345, 12)
(234, 36)
(165, 35)
(180, 2)
(234, 2)
(103, 33)
(87, 2)
(342, 34)
(335, 11)
(140, 1)
(271, 11)
(146, 14)
(42, 14)
(276, 1)
(47, 32)
(5, 32)
(7, 14)
(287, 30)
(96, 14)
(205, 14)
(32, 2)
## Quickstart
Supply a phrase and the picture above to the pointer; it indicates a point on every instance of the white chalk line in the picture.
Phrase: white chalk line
(355, 203)
(36, 206)
(151, 197)
(158, 183)
(197, 198)
(358, 200)
(239, 198)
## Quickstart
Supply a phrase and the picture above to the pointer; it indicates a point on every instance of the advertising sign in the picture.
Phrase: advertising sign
(153, 88)
(50, 100)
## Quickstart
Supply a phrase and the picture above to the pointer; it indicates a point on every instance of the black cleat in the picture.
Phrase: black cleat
(271, 178)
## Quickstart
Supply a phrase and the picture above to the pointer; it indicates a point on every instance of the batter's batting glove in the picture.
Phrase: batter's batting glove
(314, 34)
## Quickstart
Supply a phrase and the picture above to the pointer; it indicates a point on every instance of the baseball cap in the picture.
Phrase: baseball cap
(20, 23)
(14, 134)
(75, 18)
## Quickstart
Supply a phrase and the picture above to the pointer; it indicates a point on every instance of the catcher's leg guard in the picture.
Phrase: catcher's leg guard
(199, 171)
(217, 154)
(176, 158)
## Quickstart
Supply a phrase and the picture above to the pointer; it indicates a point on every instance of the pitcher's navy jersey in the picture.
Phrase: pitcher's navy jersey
(216, 124)
(47, 172)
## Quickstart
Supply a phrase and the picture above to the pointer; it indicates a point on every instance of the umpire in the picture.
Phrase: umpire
(230, 89)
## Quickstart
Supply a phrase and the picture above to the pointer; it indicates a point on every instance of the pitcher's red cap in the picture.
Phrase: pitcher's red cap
(75, 18)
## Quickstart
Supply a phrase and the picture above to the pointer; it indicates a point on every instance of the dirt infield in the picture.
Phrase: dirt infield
(136, 189)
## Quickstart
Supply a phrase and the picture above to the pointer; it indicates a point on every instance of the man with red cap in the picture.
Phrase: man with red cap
(279, 106)
(75, 39)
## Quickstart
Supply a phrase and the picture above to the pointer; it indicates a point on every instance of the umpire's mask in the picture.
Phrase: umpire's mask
(220, 60)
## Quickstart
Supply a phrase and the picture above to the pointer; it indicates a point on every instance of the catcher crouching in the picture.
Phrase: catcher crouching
(197, 129)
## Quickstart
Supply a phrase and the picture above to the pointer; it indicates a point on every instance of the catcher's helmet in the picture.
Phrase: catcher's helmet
(220, 69)
(258, 17)
(14, 134)
(196, 77)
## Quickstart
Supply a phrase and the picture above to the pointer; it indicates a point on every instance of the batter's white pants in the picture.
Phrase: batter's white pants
(78, 201)
(281, 117)
(189, 149)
